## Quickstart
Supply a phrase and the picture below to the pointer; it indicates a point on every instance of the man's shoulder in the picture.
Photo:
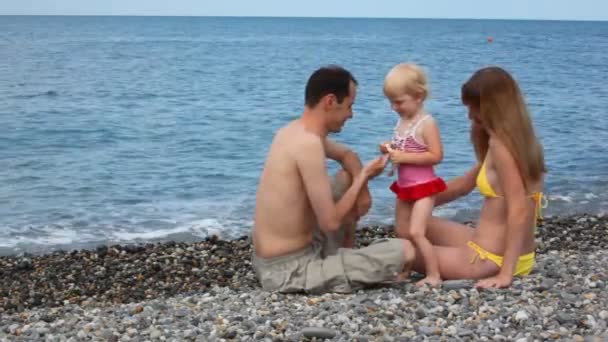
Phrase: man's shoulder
(297, 137)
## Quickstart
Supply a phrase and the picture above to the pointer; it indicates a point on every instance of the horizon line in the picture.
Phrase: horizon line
(295, 17)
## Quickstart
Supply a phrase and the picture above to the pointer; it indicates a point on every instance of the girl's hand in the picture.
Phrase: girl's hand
(498, 281)
(395, 156)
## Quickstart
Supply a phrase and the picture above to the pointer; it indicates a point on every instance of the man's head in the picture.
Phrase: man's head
(331, 90)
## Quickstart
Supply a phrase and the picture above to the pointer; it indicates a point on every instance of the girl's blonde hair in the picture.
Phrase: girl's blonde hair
(503, 111)
(406, 78)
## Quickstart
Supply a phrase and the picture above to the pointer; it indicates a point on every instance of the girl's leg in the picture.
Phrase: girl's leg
(402, 218)
(402, 228)
(421, 212)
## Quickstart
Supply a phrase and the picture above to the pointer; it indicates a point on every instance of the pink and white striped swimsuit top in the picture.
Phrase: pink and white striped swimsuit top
(410, 174)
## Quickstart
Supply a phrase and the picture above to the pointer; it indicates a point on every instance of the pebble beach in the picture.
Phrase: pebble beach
(206, 291)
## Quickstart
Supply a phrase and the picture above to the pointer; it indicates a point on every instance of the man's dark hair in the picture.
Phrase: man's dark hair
(332, 79)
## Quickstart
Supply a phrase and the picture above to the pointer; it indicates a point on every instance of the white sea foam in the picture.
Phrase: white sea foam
(49, 236)
(560, 198)
(590, 196)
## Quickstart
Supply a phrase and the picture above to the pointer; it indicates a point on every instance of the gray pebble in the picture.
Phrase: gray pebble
(546, 284)
(318, 332)
(464, 332)
(567, 307)
(456, 284)
(428, 330)
(564, 318)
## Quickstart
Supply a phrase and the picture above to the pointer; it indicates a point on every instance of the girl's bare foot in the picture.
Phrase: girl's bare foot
(431, 281)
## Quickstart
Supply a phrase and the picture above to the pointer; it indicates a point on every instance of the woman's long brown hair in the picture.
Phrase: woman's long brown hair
(503, 111)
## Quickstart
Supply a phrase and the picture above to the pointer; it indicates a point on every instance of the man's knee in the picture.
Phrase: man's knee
(340, 184)
(344, 178)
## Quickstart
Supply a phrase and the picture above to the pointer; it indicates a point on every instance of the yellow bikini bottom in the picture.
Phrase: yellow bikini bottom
(524, 265)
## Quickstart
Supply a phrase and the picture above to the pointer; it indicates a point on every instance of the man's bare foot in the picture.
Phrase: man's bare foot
(431, 281)
(405, 272)
(403, 276)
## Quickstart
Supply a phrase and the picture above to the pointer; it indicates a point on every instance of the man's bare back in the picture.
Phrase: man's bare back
(284, 219)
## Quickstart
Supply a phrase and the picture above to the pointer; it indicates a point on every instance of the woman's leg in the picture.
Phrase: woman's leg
(455, 263)
(442, 232)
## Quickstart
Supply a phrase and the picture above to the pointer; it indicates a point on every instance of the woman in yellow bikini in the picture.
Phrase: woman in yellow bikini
(509, 174)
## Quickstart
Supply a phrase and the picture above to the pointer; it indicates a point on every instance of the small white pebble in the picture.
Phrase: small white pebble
(521, 316)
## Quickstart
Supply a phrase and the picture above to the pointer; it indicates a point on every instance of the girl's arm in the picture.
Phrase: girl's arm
(518, 212)
(432, 139)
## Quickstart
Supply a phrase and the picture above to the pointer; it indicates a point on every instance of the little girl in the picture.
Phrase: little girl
(414, 149)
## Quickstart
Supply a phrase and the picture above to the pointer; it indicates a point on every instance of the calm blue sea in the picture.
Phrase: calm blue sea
(122, 129)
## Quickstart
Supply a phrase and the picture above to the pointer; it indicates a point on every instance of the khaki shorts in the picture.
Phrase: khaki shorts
(345, 271)
(326, 267)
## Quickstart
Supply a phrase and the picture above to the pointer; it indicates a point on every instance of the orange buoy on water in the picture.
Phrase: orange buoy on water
(490, 39)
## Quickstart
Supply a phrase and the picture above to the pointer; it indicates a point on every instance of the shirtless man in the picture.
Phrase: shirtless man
(305, 221)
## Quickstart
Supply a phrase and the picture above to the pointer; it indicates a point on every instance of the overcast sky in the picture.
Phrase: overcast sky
(503, 9)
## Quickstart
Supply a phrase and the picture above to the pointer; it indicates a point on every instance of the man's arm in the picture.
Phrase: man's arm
(351, 163)
(348, 159)
(311, 165)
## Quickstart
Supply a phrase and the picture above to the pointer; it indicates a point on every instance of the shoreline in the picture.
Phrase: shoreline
(178, 239)
(567, 292)
(205, 261)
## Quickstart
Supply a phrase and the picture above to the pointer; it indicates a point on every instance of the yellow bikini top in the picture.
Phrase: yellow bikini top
(483, 184)
(486, 190)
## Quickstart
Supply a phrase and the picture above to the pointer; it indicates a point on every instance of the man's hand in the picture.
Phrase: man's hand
(375, 167)
(384, 147)
(498, 281)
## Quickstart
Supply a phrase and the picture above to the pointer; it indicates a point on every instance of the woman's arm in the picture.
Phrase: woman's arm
(459, 186)
(518, 213)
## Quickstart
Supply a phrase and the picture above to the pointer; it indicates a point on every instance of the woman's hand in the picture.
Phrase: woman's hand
(498, 281)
